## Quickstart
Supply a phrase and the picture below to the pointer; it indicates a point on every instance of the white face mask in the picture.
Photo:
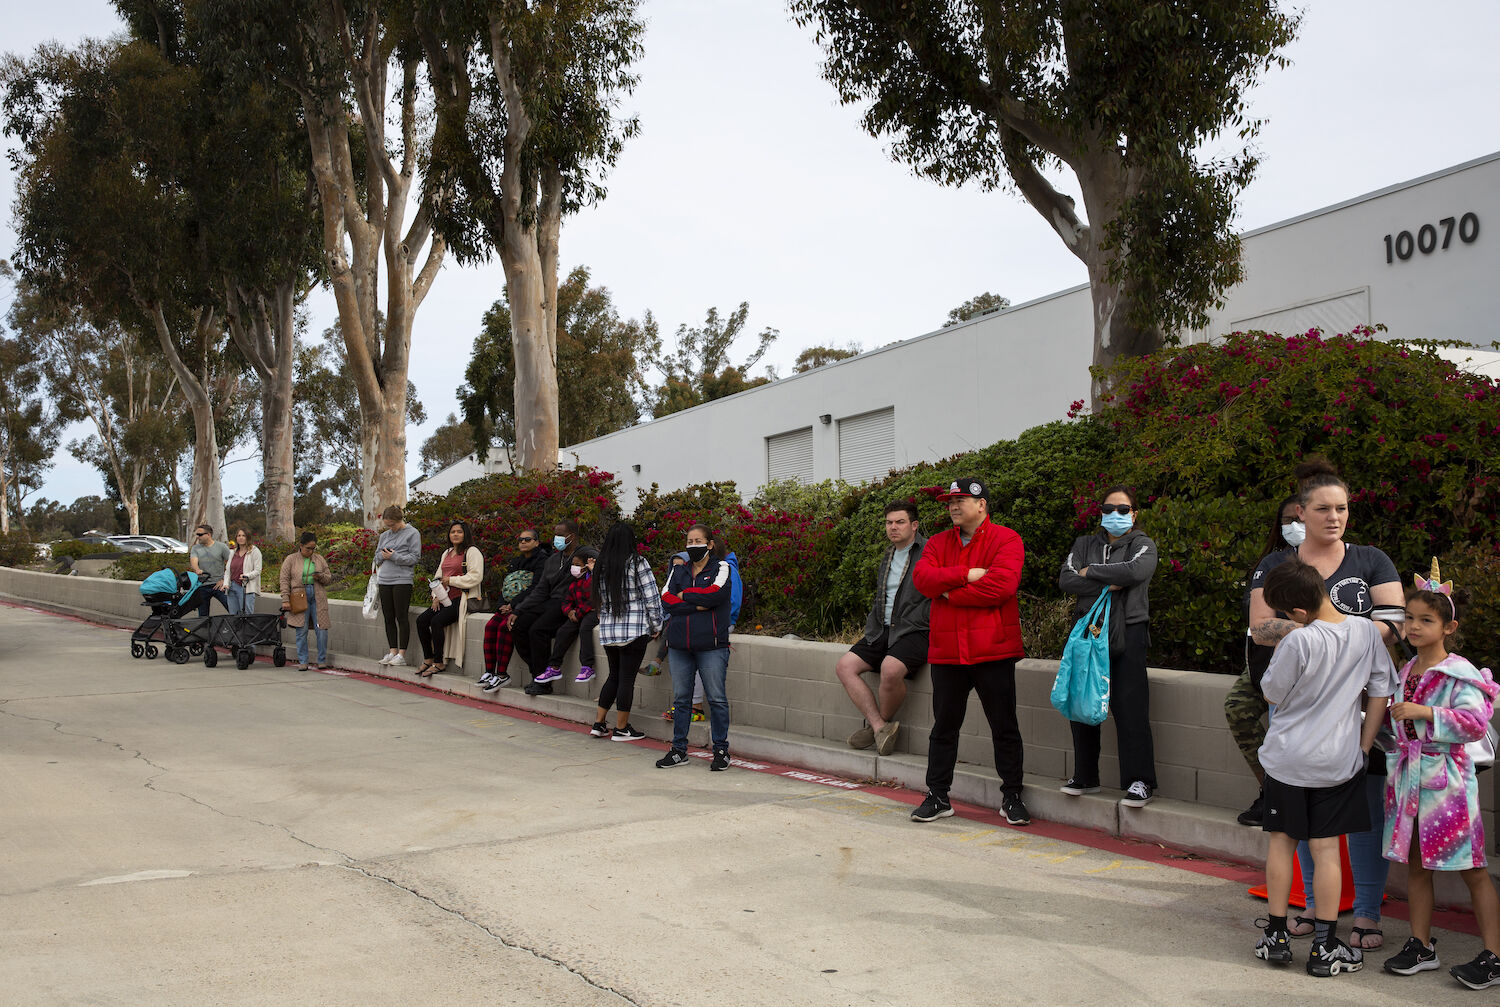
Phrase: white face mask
(576, 570)
(1294, 533)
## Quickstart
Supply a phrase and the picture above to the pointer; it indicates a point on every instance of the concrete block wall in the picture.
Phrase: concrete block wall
(789, 686)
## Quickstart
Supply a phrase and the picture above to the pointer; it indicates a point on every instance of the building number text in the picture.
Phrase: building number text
(1429, 238)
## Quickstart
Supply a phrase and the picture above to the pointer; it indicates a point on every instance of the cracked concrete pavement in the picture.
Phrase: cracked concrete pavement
(179, 835)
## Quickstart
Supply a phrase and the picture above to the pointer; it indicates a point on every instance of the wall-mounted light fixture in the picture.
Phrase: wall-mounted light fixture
(635, 468)
(826, 419)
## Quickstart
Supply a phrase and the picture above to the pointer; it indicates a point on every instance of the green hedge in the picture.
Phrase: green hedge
(79, 549)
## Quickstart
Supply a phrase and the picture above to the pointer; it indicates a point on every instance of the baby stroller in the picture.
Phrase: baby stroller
(241, 634)
(170, 596)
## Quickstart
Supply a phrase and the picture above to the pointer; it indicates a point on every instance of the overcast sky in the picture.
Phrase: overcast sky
(750, 183)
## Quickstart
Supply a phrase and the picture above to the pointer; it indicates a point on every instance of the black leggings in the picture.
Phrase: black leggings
(624, 661)
(1130, 703)
(394, 599)
(430, 627)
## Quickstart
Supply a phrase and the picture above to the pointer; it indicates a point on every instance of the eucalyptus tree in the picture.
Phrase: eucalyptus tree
(527, 97)
(1124, 96)
(337, 59)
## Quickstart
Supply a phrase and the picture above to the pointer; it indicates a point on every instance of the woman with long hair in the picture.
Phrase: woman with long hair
(628, 605)
(440, 627)
(241, 581)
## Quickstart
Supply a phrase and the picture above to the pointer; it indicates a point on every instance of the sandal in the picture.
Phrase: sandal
(1361, 934)
(1302, 921)
(437, 669)
(425, 670)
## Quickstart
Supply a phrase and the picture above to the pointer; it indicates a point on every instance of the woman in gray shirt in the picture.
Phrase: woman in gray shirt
(396, 555)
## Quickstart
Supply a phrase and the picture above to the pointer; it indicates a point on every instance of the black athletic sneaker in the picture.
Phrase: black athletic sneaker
(1073, 788)
(627, 733)
(1479, 974)
(1015, 811)
(1330, 959)
(1255, 814)
(720, 761)
(1274, 946)
(931, 809)
(672, 758)
(539, 689)
(496, 683)
(1414, 957)
(599, 731)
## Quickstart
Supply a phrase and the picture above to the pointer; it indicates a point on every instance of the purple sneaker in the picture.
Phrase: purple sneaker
(549, 675)
(585, 674)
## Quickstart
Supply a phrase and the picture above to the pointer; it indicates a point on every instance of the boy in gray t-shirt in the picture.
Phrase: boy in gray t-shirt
(1314, 753)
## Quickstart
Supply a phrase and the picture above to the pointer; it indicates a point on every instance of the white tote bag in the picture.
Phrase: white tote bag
(372, 600)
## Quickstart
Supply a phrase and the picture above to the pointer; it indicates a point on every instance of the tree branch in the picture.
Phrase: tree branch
(1057, 209)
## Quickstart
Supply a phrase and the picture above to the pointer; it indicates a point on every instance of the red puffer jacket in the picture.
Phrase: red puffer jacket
(976, 622)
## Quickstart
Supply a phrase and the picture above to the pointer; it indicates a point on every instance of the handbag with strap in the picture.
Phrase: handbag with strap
(298, 601)
(1081, 691)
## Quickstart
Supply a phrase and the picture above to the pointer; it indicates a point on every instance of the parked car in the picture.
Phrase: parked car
(167, 543)
(132, 543)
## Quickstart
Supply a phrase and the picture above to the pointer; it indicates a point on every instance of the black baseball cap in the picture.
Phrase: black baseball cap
(964, 488)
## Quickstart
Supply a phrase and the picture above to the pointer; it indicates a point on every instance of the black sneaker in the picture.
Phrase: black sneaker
(627, 733)
(1330, 959)
(1414, 957)
(1015, 811)
(674, 757)
(539, 689)
(1274, 946)
(931, 809)
(1479, 974)
(1255, 814)
(496, 683)
(1138, 796)
(1075, 789)
(599, 731)
(720, 761)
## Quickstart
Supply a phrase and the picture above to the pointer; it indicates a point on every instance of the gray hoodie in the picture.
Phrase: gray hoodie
(405, 545)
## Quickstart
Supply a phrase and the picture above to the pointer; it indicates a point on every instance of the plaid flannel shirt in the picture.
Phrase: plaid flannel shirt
(642, 615)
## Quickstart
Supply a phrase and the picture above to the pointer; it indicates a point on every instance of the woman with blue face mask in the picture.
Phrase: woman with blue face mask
(1118, 557)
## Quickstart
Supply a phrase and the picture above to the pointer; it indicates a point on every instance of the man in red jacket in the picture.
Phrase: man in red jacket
(971, 573)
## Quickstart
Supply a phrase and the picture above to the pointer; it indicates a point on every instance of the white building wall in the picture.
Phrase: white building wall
(973, 384)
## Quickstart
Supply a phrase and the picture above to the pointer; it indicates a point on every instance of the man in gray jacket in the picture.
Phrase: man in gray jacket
(895, 640)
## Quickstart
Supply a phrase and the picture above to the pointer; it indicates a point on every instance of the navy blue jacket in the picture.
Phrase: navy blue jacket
(698, 606)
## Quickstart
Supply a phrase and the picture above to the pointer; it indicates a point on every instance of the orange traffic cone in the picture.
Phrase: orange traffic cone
(1298, 896)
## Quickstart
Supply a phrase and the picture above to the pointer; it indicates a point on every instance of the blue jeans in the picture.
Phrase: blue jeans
(240, 601)
(713, 665)
(208, 593)
(311, 622)
(1366, 858)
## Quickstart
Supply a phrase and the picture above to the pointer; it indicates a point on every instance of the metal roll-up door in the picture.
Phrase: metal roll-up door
(867, 445)
(790, 456)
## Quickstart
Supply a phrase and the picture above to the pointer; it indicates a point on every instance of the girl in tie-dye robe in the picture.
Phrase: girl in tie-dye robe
(1431, 784)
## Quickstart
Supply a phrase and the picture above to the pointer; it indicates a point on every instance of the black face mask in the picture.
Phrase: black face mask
(697, 552)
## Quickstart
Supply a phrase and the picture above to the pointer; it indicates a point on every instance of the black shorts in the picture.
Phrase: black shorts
(910, 650)
(1316, 812)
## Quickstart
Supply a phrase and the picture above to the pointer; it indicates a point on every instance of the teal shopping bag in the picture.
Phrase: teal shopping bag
(1081, 692)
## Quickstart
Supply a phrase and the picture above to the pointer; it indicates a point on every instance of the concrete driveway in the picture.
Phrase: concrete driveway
(178, 835)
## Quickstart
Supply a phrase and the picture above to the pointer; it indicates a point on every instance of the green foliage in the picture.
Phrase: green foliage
(699, 370)
(982, 304)
(79, 549)
(16, 549)
(138, 566)
(831, 499)
(819, 356)
(1216, 429)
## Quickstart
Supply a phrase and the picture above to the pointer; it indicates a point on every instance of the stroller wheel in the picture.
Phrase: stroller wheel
(244, 658)
(178, 655)
(278, 657)
(137, 651)
(195, 649)
(210, 657)
(151, 652)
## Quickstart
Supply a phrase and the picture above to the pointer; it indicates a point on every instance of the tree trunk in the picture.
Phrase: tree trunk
(4, 500)
(536, 362)
(265, 332)
(206, 492)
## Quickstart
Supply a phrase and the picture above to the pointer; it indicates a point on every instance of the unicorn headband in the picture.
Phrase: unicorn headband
(1435, 583)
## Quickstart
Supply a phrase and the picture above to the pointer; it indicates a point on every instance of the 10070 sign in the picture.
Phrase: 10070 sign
(1429, 239)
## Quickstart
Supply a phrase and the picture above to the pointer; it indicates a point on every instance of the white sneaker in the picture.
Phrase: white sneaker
(387, 657)
(397, 661)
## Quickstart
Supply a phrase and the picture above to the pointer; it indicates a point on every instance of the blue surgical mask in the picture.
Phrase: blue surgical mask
(1117, 524)
(1294, 533)
(559, 542)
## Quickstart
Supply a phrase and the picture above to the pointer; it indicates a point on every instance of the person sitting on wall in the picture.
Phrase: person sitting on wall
(895, 640)
(578, 606)
(537, 619)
